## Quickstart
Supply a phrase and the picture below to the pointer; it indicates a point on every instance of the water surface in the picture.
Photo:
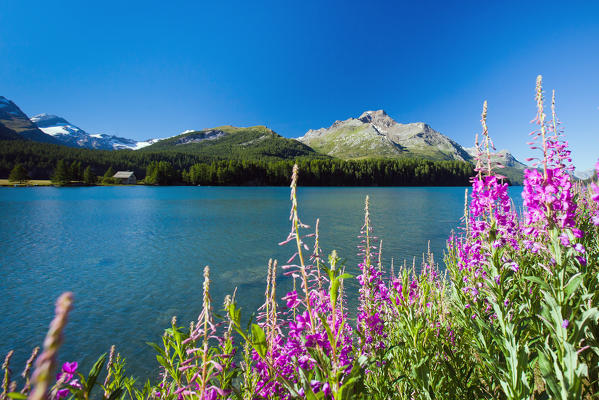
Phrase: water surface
(134, 256)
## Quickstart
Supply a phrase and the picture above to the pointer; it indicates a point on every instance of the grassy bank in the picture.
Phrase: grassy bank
(32, 182)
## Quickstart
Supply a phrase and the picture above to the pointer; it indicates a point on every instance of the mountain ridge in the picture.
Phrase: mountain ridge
(235, 142)
(373, 134)
(12, 119)
(376, 134)
(71, 135)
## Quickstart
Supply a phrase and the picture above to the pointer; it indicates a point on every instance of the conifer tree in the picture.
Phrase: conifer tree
(109, 172)
(62, 174)
(89, 178)
(18, 174)
(76, 172)
(108, 176)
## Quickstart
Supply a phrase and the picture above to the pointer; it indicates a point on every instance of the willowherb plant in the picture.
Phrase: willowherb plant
(520, 296)
(373, 293)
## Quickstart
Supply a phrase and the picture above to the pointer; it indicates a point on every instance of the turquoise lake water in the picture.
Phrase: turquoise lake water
(134, 256)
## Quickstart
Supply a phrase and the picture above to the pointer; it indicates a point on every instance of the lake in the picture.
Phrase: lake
(134, 256)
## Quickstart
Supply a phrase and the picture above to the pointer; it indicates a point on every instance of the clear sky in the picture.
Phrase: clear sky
(145, 69)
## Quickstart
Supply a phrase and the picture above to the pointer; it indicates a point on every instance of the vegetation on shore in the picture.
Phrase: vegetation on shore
(316, 172)
(514, 318)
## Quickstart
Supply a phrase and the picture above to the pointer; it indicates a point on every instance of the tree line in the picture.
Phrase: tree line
(64, 164)
(335, 172)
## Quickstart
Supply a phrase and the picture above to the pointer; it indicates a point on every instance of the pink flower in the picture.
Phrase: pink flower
(68, 370)
(70, 367)
(292, 300)
(564, 239)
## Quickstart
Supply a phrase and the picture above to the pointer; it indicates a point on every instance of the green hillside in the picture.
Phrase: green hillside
(228, 142)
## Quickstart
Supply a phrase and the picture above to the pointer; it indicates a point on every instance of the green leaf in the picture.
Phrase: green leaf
(332, 340)
(114, 395)
(162, 361)
(573, 284)
(158, 349)
(538, 280)
(94, 372)
(259, 340)
(17, 396)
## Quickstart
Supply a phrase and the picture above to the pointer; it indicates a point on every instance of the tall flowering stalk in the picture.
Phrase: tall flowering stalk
(551, 216)
(310, 351)
(595, 196)
(26, 372)
(7, 375)
(372, 291)
(548, 195)
(484, 267)
(46, 362)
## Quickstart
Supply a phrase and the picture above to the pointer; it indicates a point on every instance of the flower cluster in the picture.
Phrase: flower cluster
(595, 196)
(373, 292)
(549, 200)
(66, 379)
(548, 195)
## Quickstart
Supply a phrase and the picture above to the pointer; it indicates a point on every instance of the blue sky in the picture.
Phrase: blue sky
(144, 69)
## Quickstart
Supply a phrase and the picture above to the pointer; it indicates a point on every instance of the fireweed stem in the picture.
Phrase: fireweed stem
(541, 121)
(298, 241)
(46, 363)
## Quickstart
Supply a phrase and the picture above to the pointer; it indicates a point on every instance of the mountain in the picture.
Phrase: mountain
(584, 174)
(14, 121)
(513, 169)
(502, 156)
(376, 134)
(229, 142)
(70, 135)
(9, 134)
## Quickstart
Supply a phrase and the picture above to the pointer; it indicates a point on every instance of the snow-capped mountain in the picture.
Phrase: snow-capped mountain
(15, 124)
(71, 135)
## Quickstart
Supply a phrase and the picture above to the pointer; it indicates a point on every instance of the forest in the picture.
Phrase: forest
(42, 161)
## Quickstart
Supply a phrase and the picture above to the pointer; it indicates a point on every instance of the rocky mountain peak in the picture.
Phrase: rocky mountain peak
(378, 118)
(43, 120)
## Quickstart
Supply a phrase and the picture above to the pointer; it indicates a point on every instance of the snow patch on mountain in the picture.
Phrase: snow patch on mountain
(72, 135)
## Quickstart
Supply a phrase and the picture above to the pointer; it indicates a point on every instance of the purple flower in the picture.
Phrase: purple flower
(595, 195)
(564, 239)
(565, 324)
(75, 384)
(70, 367)
(292, 300)
(581, 260)
(68, 370)
(62, 393)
